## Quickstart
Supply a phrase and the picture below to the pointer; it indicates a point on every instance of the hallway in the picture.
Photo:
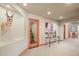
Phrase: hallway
(27, 25)
(68, 47)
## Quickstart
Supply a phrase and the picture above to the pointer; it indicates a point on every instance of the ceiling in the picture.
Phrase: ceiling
(9, 6)
(66, 10)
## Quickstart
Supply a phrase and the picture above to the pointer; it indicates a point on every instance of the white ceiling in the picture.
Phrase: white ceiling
(68, 11)
(58, 9)
(11, 7)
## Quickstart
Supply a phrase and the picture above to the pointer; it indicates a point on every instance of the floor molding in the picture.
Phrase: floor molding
(23, 52)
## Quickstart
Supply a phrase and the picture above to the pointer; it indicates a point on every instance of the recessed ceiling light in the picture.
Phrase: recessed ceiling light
(48, 8)
(25, 4)
(49, 12)
(61, 17)
(68, 3)
(8, 6)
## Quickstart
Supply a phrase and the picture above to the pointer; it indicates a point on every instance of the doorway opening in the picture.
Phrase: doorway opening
(71, 30)
(33, 37)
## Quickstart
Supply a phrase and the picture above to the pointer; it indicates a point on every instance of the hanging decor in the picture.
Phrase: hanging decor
(5, 25)
(50, 29)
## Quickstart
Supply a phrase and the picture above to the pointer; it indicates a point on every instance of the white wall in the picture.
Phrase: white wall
(16, 27)
(12, 49)
(13, 41)
(41, 26)
(61, 31)
(17, 40)
(66, 22)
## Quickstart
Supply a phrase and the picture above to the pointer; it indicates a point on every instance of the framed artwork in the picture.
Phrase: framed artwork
(72, 28)
(6, 24)
(50, 29)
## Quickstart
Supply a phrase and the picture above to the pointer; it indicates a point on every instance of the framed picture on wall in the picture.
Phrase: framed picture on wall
(73, 28)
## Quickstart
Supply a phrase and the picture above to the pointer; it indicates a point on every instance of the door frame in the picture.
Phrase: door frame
(29, 46)
(64, 31)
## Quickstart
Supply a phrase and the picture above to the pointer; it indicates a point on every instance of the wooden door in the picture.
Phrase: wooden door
(33, 40)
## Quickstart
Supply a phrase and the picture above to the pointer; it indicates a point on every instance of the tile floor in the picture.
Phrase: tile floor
(67, 47)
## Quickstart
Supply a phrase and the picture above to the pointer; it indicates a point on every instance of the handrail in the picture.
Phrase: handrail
(48, 37)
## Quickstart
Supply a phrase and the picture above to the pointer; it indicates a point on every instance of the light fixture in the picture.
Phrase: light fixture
(25, 4)
(48, 12)
(8, 6)
(48, 8)
(68, 3)
(61, 17)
